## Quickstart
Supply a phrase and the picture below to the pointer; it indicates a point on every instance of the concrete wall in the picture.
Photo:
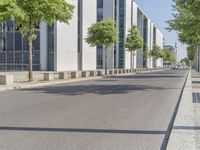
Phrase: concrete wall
(128, 25)
(150, 59)
(89, 17)
(43, 46)
(66, 43)
(134, 19)
(149, 41)
(159, 42)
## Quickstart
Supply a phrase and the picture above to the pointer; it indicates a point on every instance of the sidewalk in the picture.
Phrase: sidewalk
(185, 134)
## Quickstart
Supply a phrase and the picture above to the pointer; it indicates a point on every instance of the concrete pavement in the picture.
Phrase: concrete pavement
(186, 130)
(130, 112)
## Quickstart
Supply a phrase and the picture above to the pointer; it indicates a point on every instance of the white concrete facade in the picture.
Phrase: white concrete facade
(160, 42)
(88, 18)
(72, 53)
(67, 56)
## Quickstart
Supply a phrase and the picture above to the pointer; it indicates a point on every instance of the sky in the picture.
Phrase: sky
(159, 11)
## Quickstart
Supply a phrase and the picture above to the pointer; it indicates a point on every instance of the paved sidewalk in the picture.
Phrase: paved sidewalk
(196, 106)
(186, 130)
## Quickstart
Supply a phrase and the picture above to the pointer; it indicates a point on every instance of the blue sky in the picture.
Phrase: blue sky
(159, 11)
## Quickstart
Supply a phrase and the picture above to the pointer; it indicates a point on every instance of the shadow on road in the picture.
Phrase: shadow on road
(74, 90)
(78, 130)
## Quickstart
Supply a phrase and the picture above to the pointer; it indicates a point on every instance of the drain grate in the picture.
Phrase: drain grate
(196, 97)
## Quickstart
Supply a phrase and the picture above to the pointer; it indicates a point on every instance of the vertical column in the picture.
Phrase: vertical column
(43, 46)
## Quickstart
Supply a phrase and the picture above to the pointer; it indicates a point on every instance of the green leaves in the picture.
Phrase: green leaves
(186, 21)
(191, 51)
(157, 52)
(168, 56)
(133, 41)
(29, 13)
(102, 33)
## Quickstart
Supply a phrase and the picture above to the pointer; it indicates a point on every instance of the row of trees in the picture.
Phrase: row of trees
(105, 33)
(157, 52)
(186, 21)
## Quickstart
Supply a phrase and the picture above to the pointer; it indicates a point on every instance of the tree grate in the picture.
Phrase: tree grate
(196, 97)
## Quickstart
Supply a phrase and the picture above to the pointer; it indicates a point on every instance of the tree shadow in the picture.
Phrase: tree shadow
(104, 89)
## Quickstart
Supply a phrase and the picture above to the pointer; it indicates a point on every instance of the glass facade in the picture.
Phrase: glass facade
(145, 38)
(14, 49)
(100, 47)
(51, 47)
(80, 34)
(115, 46)
(121, 31)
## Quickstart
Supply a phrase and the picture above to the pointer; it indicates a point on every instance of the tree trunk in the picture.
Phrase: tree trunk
(132, 59)
(30, 73)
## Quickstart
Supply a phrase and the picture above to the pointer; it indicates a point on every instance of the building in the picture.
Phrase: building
(127, 13)
(57, 48)
(62, 47)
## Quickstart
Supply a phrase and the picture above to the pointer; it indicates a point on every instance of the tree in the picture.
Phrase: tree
(134, 40)
(157, 52)
(186, 22)
(191, 51)
(183, 63)
(168, 56)
(103, 33)
(29, 13)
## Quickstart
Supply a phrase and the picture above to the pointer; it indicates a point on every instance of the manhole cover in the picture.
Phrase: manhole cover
(196, 97)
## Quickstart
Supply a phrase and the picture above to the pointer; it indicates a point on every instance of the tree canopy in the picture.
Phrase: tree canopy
(186, 21)
(157, 52)
(168, 56)
(191, 50)
(28, 14)
(102, 33)
(134, 40)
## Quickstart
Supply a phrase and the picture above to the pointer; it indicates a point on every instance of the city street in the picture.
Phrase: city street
(128, 112)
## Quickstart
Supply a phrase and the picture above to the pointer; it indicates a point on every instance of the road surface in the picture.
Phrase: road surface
(130, 112)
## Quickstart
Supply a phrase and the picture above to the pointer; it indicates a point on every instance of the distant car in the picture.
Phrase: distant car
(174, 67)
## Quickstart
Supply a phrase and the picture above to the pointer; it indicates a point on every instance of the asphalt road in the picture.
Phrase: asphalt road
(129, 112)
